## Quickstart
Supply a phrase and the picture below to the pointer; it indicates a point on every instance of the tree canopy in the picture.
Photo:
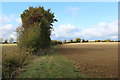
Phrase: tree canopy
(34, 34)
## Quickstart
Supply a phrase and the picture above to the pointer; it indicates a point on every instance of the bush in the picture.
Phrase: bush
(6, 41)
(70, 40)
(13, 61)
(59, 42)
(86, 40)
(77, 40)
(97, 40)
(34, 34)
(103, 40)
(83, 40)
(53, 42)
(34, 38)
(14, 42)
(108, 40)
(64, 42)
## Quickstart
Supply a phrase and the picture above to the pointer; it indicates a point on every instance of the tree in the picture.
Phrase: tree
(83, 40)
(37, 15)
(108, 40)
(97, 40)
(64, 41)
(34, 34)
(86, 40)
(6, 41)
(11, 40)
(77, 40)
(71, 40)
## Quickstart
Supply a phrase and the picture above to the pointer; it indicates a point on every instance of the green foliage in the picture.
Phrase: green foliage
(59, 42)
(53, 42)
(6, 41)
(71, 40)
(64, 42)
(86, 40)
(34, 34)
(77, 40)
(13, 59)
(51, 65)
(108, 40)
(83, 40)
(36, 15)
(35, 38)
(97, 40)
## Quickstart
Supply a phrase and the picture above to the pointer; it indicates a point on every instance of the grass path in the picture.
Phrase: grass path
(51, 65)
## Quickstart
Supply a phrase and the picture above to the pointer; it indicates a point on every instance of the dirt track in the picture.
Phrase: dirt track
(93, 59)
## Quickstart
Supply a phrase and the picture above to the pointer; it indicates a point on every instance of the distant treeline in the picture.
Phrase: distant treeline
(77, 40)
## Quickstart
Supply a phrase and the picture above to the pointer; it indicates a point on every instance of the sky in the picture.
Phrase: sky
(85, 20)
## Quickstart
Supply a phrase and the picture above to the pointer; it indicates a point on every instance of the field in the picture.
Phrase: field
(93, 59)
(51, 65)
(73, 60)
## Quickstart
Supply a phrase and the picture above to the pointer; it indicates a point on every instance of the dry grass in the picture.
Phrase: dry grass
(13, 59)
(94, 59)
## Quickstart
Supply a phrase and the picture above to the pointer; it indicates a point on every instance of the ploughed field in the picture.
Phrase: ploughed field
(98, 59)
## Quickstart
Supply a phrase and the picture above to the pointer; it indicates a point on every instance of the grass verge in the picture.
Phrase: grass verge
(51, 65)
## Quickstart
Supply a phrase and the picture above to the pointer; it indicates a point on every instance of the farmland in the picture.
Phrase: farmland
(94, 59)
(73, 60)
(50, 65)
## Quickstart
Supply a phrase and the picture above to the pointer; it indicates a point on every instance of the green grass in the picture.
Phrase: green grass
(51, 65)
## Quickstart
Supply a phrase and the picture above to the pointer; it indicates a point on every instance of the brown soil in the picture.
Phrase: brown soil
(93, 59)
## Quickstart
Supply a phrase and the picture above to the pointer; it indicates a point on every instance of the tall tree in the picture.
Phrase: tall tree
(77, 40)
(36, 28)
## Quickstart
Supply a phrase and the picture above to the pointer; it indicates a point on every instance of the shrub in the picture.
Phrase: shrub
(34, 38)
(70, 40)
(103, 40)
(97, 40)
(34, 34)
(108, 40)
(83, 40)
(53, 42)
(77, 40)
(13, 61)
(86, 40)
(59, 42)
(6, 41)
(14, 42)
(64, 42)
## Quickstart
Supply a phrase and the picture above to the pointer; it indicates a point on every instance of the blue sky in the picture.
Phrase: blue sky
(88, 20)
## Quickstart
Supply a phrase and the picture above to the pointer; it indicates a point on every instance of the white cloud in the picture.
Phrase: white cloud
(73, 10)
(8, 31)
(102, 30)
(64, 32)
(8, 26)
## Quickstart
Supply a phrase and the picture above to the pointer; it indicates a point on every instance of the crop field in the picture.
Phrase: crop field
(75, 60)
(93, 59)
(50, 65)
